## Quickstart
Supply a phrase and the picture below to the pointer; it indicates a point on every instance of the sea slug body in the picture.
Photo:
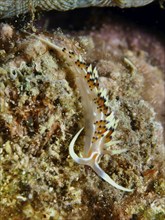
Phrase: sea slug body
(100, 122)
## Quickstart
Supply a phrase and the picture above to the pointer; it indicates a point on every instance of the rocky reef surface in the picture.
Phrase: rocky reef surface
(41, 111)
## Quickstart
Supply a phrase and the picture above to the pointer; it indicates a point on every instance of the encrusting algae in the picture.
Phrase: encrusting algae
(41, 110)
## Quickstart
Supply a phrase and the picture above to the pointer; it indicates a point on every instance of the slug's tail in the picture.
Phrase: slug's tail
(92, 161)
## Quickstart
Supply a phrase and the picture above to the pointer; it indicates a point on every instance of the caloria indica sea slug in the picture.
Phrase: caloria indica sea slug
(99, 121)
(9, 8)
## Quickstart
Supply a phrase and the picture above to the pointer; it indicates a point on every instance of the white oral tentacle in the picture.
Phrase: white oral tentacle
(93, 164)
(107, 178)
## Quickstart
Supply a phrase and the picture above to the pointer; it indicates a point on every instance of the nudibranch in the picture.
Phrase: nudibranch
(99, 123)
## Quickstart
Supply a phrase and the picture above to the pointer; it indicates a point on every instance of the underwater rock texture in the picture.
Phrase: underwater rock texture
(40, 112)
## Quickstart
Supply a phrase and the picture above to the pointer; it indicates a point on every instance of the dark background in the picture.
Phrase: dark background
(151, 17)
